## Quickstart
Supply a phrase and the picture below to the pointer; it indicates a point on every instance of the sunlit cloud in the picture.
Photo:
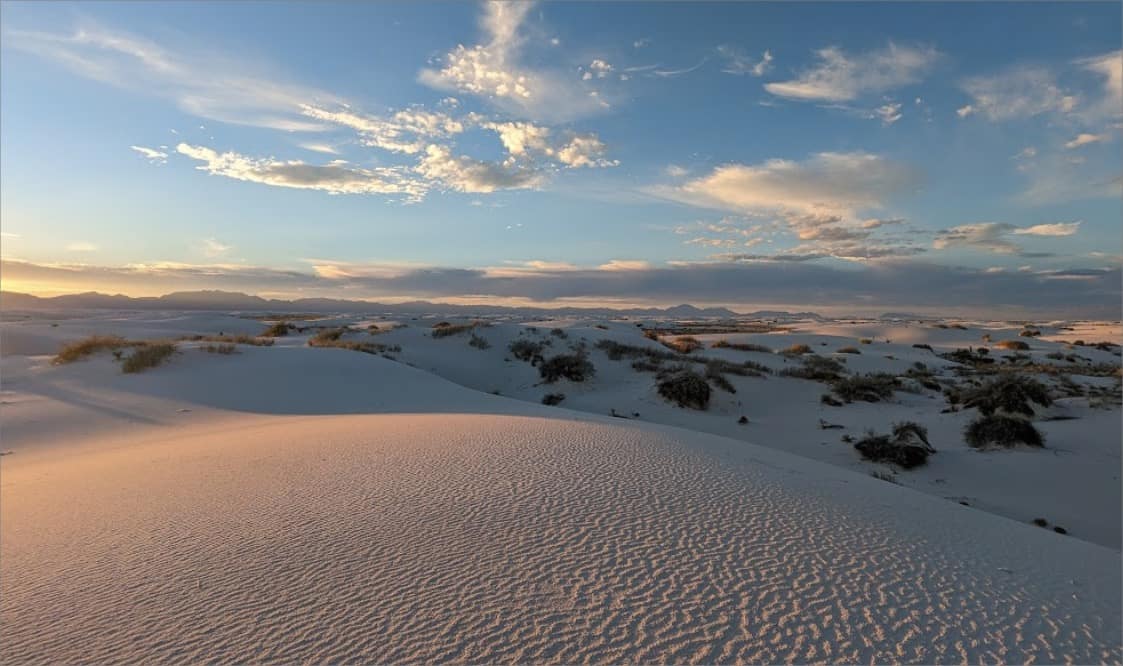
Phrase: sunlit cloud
(842, 77)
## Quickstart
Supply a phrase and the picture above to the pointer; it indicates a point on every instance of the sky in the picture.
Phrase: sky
(960, 157)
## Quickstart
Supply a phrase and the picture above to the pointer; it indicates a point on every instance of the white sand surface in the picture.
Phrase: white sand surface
(298, 504)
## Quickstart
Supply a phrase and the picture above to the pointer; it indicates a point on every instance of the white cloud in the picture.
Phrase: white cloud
(1053, 229)
(675, 171)
(332, 178)
(1083, 139)
(1017, 92)
(325, 148)
(965, 111)
(495, 72)
(888, 113)
(408, 131)
(151, 154)
(737, 62)
(840, 77)
(464, 174)
(584, 150)
(598, 68)
(210, 86)
(81, 246)
(640, 43)
(625, 265)
(1110, 67)
(212, 247)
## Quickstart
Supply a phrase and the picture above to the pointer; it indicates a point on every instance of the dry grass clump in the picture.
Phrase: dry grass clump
(80, 349)
(479, 342)
(1029, 333)
(232, 339)
(1002, 431)
(278, 330)
(817, 368)
(553, 398)
(865, 341)
(333, 338)
(148, 356)
(616, 351)
(742, 369)
(1012, 345)
(796, 350)
(848, 350)
(741, 346)
(526, 350)
(683, 345)
(1011, 394)
(872, 387)
(685, 388)
(923, 376)
(326, 336)
(906, 447)
(574, 367)
(224, 349)
(922, 345)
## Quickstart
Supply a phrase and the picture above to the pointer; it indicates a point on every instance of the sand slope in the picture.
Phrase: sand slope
(504, 538)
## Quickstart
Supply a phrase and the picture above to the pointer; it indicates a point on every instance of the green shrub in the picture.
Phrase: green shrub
(574, 367)
(148, 356)
(1002, 431)
(685, 388)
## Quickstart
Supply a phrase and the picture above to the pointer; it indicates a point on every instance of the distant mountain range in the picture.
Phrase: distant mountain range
(239, 302)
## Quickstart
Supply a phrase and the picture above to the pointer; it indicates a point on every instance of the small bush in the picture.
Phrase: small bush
(873, 387)
(921, 345)
(333, 338)
(559, 333)
(224, 349)
(796, 350)
(444, 329)
(644, 365)
(719, 380)
(848, 350)
(278, 330)
(1012, 345)
(574, 367)
(553, 398)
(1029, 333)
(148, 356)
(829, 400)
(743, 369)
(616, 351)
(1002, 431)
(685, 388)
(479, 342)
(684, 345)
(95, 343)
(526, 350)
(818, 368)
(865, 341)
(260, 341)
(907, 446)
(325, 336)
(1012, 394)
(739, 346)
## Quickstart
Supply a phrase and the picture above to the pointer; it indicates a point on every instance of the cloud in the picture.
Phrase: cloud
(332, 178)
(597, 69)
(408, 131)
(151, 154)
(640, 43)
(738, 63)
(993, 236)
(210, 86)
(464, 174)
(840, 77)
(325, 148)
(675, 171)
(965, 111)
(888, 113)
(495, 72)
(584, 150)
(1016, 92)
(81, 246)
(213, 248)
(785, 282)
(1083, 139)
(1110, 103)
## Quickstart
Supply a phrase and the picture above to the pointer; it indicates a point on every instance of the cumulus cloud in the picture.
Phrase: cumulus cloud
(210, 86)
(465, 174)
(842, 77)
(408, 131)
(739, 63)
(495, 71)
(332, 178)
(151, 154)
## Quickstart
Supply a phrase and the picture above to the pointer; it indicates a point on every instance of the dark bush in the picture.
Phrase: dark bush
(1012, 345)
(848, 350)
(479, 342)
(818, 368)
(616, 351)
(719, 380)
(873, 387)
(907, 447)
(1002, 431)
(921, 345)
(685, 388)
(747, 346)
(1011, 393)
(444, 329)
(643, 365)
(526, 350)
(553, 398)
(559, 333)
(796, 350)
(224, 349)
(574, 367)
(278, 330)
(683, 345)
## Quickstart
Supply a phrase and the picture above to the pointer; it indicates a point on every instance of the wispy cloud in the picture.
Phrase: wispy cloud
(739, 63)
(842, 77)
(151, 154)
(994, 236)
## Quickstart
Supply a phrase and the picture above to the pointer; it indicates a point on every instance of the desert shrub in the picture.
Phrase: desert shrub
(259, 341)
(1029, 333)
(616, 351)
(921, 345)
(278, 330)
(923, 376)
(872, 387)
(829, 400)
(444, 329)
(553, 398)
(651, 334)
(1012, 394)
(969, 356)
(479, 342)
(559, 333)
(743, 369)
(325, 336)
(644, 365)
(148, 356)
(95, 343)
(818, 368)
(574, 367)
(1056, 356)
(796, 350)
(686, 389)
(865, 341)
(224, 349)
(718, 380)
(1012, 345)
(526, 350)
(684, 345)
(333, 338)
(906, 447)
(1002, 431)
(848, 350)
(741, 346)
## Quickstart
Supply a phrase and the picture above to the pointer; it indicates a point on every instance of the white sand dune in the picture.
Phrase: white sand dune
(459, 526)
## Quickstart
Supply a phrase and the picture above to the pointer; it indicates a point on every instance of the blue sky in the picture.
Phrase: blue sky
(568, 152)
